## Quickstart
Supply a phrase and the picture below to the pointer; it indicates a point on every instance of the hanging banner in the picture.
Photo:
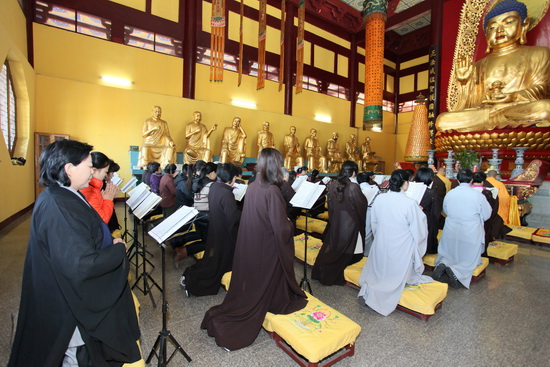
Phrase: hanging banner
(282, 45)
(240, 67)
(217, 40)
(300, 46)
(261, 44)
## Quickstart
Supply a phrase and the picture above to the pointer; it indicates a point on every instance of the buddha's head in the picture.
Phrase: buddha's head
(293, 130)
(157, 112)
(236, 122)
(197, 116)
(352, 138)
(313, 133)
(335, 136)
(506, 24)
(265, 126)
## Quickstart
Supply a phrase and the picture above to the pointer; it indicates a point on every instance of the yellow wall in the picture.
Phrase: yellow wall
(17, 187)
(168, 9)
(137, 4)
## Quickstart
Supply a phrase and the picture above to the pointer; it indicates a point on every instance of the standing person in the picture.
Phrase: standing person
(345, 233)
(431, 205)
(146, 176)
(503, 196)
(463, 239)
(113, 222)
(204, 277)
(76, 306)
(100, 200)
(395, 258)
(263, 277)
(367, 185)
(156, 176)
(168, 190)
(206, 178)
(184, 196)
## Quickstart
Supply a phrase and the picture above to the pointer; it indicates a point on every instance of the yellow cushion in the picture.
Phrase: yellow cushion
(199, 255)
(502, 250)
(542, 235)
(323, 215)
(353, 272)
(313, 247)
(117, 233)
(522, 232)
(316, 331)
(155, 217)
(423, 298)
(480, 268)
(226, 279)
(313, 225)
(429, 260)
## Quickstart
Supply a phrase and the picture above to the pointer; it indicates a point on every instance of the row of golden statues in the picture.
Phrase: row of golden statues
(158, 145)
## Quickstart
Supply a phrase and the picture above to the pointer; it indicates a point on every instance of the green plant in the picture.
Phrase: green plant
(467, 158)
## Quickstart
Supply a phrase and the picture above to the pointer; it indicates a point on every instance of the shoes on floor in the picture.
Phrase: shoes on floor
(182, 281)
(439, 271)
(453, 280)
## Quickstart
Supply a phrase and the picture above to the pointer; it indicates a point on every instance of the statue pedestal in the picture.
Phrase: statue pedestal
(540, 214)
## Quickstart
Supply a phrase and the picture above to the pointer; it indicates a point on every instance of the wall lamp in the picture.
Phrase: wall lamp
(323, 118)
(244, 104)
(121, 82)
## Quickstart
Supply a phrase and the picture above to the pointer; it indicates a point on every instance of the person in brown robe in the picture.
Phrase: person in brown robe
(343, 243)
(494, 226)
(204, 277)
(263, 277)
(431, 204)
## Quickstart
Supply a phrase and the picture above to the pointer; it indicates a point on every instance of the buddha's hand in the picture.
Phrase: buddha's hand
(499, 98)
(214, 127)
(464, 70)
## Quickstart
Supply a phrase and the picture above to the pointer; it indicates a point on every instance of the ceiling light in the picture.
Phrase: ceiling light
(117, 81)
(323, 118)
(244, 104)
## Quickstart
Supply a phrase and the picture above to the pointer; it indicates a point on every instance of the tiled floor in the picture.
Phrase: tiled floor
(503, 320)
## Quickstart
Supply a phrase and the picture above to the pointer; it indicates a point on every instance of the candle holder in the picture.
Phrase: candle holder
(520, 151)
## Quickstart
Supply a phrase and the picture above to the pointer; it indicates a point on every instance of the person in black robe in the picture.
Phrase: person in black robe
(263, 277)
(431, 206)
(494, 226)
(204, 277)
(288, 192)
(344, 236)
(75, 298)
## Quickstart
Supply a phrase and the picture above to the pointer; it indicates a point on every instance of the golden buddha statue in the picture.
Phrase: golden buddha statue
(198, 140)
(352, 153)
(509, 88)
(265, 137)
(369, 162)
(333, 153)
(157, 144)
(233, 143)
(314, 153)
(291, 150)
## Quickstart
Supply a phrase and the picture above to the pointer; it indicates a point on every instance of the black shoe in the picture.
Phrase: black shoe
(438, 271)
(453, 280)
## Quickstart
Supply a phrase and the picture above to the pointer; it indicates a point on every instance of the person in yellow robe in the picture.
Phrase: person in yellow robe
(503, 196)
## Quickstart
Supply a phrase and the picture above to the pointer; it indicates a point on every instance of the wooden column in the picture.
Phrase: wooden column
(29, 17)
(290, 56)
(353, 76)
(434, 71)
(190, 18)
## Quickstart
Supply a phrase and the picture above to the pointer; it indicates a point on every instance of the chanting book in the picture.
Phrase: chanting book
(116, 179)
(137, 195)
(170, 225)
(239, 190)
(307, 195)
(129, 184)
(369, 191)
(147, 204)
(379, 179)
(416, 191)
(298, 181)
(326, 180)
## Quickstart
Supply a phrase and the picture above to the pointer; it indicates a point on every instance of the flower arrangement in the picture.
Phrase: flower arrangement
(467, 158)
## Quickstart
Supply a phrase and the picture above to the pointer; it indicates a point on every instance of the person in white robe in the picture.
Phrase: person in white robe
(400, 238)
(463, 237)
(371, 192)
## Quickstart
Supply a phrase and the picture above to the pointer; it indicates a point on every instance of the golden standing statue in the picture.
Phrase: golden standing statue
(291, 150)
(369, 162)
(509, 87)
(265, 137)
(352, 153)
(233, 143)
(198, 140)
(333, 153)
(157, 144)
(314, 153)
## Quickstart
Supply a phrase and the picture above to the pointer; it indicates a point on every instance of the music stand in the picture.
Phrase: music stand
(305, 197)
(160, 233)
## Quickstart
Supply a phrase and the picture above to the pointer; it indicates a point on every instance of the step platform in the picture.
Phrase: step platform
(422, 300)
(501, 253)
(316, 335)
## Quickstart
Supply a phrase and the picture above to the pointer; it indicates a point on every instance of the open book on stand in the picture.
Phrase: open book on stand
(307, 195)
(170, 225)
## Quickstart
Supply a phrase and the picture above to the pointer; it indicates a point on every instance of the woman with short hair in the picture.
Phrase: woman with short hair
(76, 305)
(395, 258)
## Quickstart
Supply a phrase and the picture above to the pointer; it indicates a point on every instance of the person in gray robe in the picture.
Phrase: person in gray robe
(371, 191)
(463, 239)
(395, 259)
